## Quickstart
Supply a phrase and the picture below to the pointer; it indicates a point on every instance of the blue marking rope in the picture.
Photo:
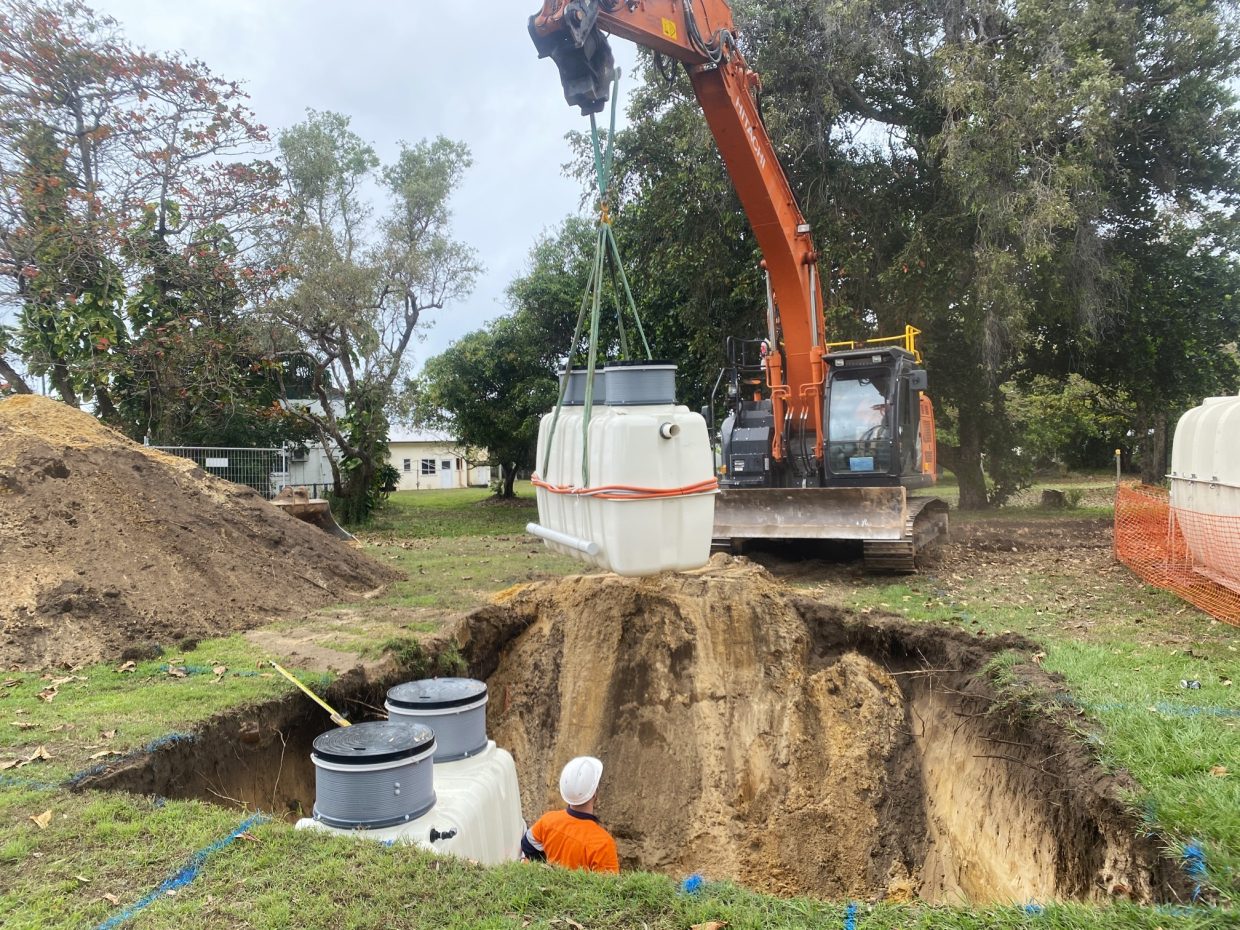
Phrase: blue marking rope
(850, 916)
(186, 875)
(16, 781)
(1162, 707)
(1195, 866)
(238, 673)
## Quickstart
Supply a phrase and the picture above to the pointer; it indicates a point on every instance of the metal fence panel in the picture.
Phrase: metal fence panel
(255, 468)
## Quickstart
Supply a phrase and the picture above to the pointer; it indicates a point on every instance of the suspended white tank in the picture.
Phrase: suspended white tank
(1205, 487)
(649, 503)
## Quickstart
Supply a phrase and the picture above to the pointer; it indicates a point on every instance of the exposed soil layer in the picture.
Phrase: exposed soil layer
(752, 735)
(798, 748)
(107, 545)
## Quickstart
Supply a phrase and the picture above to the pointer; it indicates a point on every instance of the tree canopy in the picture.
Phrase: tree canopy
(131, 189)
(354, 290)
(492, 386)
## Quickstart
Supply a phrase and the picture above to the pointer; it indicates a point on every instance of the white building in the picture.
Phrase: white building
(310, 465)
(426, 459)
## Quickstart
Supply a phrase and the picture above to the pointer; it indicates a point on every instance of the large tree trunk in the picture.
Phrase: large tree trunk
(355, 502)
(1154, 449)
(965, 462)
(508, 475)
(63, 384)
(107, 409)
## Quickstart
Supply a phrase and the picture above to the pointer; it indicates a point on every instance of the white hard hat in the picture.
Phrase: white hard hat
(579, 780)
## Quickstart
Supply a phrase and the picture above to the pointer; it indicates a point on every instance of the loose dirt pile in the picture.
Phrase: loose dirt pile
(106, 545)
(797, 748)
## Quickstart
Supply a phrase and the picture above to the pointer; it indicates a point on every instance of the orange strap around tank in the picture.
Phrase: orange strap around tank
(628, 492)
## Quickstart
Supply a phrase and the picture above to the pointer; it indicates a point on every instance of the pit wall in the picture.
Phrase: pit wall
(798, 749)
(255, 757)
(747, 735)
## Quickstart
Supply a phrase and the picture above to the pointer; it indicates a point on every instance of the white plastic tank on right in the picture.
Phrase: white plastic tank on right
(1205, 487)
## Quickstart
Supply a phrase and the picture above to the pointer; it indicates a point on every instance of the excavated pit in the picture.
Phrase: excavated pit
(752, 735)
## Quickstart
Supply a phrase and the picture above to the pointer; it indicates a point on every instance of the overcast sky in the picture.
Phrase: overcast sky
(404, 70)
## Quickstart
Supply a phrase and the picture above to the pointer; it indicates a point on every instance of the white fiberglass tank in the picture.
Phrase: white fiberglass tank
(475, 812)
(652, 464)
(1205, 487)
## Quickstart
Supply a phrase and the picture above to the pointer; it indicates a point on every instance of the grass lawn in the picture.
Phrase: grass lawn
(80, 859)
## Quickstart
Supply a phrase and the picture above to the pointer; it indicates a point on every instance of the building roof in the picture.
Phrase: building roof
(404, 434)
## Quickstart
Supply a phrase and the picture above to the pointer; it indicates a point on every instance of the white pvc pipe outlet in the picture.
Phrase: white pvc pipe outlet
(668, 430)
(581, 545)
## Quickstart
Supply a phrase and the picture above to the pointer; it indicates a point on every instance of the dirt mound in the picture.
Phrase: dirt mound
(796, 748)
(105, 544)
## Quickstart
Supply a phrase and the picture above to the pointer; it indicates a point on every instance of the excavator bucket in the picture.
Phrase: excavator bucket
(893, 527)
(296, 502)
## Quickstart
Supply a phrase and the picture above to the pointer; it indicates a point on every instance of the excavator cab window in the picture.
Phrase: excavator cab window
(860, 423)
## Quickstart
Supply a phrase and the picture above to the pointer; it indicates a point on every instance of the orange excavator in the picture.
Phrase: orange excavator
(821, 440)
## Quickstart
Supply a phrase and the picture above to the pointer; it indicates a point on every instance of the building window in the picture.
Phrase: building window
(428, 466)
(408, 464)
(445, 464)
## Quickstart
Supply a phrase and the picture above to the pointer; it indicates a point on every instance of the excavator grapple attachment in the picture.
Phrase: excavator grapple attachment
(296, 502)
(583, 55)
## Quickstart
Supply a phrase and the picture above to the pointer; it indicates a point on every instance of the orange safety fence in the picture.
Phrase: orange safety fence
(1192, 554)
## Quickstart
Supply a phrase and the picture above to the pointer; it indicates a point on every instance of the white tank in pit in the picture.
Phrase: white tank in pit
(476, 812)
(638, 439)
(1205, 487)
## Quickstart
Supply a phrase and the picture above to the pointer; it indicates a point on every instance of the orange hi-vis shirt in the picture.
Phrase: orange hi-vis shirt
(571, 839)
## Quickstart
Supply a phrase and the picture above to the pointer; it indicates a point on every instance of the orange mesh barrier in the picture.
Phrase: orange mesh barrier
(1194, 555)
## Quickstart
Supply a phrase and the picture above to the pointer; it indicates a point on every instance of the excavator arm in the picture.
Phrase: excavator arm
(701, 34)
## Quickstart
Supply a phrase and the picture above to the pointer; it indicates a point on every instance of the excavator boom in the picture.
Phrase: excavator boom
(700, 33)
(784, 473)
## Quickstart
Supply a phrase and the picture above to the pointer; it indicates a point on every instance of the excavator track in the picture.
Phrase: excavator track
(925, 527)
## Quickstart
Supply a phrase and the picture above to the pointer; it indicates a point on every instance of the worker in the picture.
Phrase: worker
(574, 838)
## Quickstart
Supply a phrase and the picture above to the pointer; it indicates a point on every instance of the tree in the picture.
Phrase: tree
(1173, 343)
(121, 174)
(355, 293)
(974, 170)
(491, 387)
(1072, 423)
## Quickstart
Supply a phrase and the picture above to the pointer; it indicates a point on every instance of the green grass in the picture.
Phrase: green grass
(458, 547)
(135, 706)
(458, 512)
(94, 845)
(1169, 737)
(1092, 491)
(284, 878)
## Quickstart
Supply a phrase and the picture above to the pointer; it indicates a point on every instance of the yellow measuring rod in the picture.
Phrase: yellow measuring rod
(336, 718)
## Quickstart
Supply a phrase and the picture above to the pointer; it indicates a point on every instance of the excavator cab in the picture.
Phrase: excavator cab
(874, 419)
(878, 425)
(878, 445)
